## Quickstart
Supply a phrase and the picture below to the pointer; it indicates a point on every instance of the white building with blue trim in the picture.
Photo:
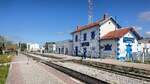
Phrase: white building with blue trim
(90, 40)
(120, 44)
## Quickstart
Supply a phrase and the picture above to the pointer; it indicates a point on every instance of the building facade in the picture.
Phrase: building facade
(50, 47)
(120, 44)
(90, 40)
(144, 45)
(86, 39)
(64, 47)
(144, 49)
(33, 47)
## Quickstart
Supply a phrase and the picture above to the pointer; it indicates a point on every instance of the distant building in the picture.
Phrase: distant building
(144, 45)
(50, 47)
(64, 47)
(32, 47)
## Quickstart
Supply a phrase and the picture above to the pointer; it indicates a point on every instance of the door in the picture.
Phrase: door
(66, 51)
(76, 50)
(59, 50)
(129, 51)
(84, 52)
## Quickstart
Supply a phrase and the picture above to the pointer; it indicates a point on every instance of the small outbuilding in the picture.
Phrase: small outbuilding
(64, 47)
(120, 43)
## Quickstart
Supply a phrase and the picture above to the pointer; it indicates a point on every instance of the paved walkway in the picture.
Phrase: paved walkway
(27, 71)
(109, 61)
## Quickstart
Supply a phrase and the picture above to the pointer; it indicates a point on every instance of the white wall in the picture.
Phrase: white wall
(107, 27)
(33, 47)
(144, 45)
(51, 47)
(122, 46)
(104, 29)
(93, 43)
(66, 45)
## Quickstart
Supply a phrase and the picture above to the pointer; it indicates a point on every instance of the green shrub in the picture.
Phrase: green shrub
(5, 58)
(147, 62)
(3, 73)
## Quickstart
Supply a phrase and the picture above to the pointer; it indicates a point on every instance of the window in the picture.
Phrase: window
(84, 36)
(118, 44)
(62, 50)
(85, 44)
(92, 34)
(76, 38)
(107, 47)
(118, 53)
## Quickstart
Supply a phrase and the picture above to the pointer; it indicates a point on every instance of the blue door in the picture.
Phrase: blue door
(129, 51)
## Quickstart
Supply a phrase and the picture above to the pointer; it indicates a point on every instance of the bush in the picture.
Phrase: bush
(147, 62)
(5, 58)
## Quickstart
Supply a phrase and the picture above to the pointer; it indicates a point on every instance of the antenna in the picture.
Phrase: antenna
(90, 11)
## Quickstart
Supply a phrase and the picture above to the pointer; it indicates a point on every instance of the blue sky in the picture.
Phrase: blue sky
(53, 20)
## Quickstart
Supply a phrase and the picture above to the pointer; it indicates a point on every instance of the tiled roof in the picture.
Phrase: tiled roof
(93, 25)
(119, 33)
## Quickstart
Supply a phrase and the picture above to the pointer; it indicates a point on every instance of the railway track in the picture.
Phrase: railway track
(83, 77)
(129, 73)
(124, 73)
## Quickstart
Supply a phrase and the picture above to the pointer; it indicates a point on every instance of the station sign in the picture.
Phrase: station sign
(85, 44)
(128, 40)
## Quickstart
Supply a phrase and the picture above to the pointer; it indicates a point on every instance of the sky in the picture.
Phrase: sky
(53, 20)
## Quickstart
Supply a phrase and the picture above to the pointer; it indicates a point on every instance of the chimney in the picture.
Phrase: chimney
(105, 16)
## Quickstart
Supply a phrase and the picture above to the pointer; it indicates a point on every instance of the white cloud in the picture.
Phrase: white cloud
(144, 16)
(147, 33)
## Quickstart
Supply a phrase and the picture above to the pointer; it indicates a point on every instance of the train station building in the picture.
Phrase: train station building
(105, 38)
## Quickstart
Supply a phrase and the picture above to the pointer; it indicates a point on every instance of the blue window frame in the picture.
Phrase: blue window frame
(107, 47)
(118, 54)
(93, 35)
(84, 37)
(76, 38)
(118, 49)
(118, 44)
